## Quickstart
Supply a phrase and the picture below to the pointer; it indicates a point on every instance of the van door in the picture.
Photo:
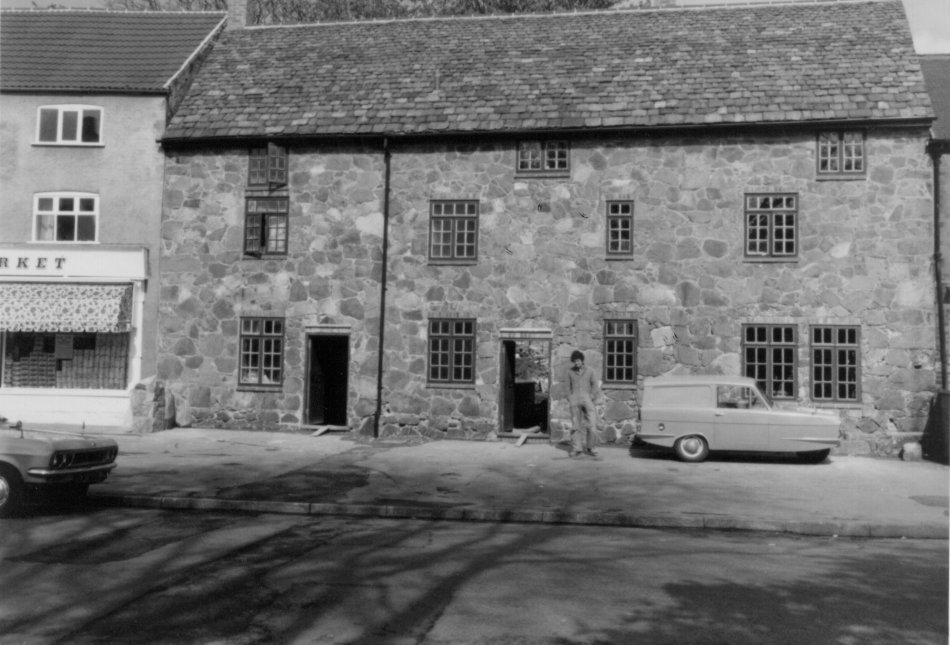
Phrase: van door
(742, 419)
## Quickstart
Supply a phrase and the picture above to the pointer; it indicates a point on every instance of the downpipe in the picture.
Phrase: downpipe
(387, 161)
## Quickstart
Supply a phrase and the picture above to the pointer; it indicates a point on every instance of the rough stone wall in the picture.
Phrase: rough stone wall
(864, 260)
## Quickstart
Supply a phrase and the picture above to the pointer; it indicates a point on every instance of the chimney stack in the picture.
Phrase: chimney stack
(237, 14)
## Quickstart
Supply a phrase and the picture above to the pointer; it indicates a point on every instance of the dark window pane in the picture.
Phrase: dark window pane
(70, 125)
(90, 126)
(65, 228)
(49, 121)
(86, 229)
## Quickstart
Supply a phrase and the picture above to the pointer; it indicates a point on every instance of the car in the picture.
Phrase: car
(694, 415)
(55, 464)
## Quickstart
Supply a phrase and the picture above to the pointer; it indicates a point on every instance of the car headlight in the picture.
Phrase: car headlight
(61, 460)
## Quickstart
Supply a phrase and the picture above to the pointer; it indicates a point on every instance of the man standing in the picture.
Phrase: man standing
(581, 389)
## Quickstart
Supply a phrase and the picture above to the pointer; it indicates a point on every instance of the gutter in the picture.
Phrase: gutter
(937, 149)
(387, 158)
(737, 129)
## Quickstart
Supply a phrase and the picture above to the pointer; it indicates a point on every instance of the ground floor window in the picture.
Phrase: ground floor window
(65, 360)
(835, 364)
(262, 351)
(452, 351)
(620, 351)
(770, 356)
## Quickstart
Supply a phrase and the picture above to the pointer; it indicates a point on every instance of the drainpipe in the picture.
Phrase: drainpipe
(936, 150)
(382, 293)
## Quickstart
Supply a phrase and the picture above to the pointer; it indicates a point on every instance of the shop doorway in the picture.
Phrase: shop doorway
(525, 391)
(327, 383)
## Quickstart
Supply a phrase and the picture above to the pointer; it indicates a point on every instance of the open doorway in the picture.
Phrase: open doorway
(525, 385)
(327, 383)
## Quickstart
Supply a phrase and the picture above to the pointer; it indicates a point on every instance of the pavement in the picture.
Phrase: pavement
(536, 482)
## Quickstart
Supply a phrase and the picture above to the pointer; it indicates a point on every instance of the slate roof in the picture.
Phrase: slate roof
(837, 61)
(937, 77)
(97, 51)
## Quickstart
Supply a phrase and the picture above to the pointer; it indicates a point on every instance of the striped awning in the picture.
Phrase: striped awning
(53, 307)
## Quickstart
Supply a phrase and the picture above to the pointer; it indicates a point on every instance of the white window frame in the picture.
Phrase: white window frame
(78, 109)
(56, 213)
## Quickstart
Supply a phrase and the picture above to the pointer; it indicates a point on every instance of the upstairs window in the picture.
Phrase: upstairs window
(619, 229)
(620, 351)
(841, 154)
(771, 226)
(769, 356)
(74, 125)
(262, 351)
(267, 166)
(265, 226)
(835, 364)
(544, 157)
(65, 217)
(452, 351)
(453, 231)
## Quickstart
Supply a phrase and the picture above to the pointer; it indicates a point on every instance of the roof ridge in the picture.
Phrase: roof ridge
(741, 4)
(85, 10)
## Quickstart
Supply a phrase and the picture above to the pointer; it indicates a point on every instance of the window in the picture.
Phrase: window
(835, 364)
(841, 153)
(769, 356)
(267, 166)
(739, 398)
(543, 157)
(619, 229)
(453, 231)
(452, 351)
(70, 360)
(620, 351)
(262, 348)
(65, 217)
(771, 226)
(69, 125)
(265, 225)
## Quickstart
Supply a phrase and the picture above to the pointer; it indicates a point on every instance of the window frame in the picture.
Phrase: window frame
(273, 163)
(80, 126)
(840, 155)
(454, 233)
(770, 345)
(451, 351)
(834, 346)
(548, 150)
(261, 352)
(771, 213)
(267, 221)
(609, 377)
(56, 213)
(618, 217)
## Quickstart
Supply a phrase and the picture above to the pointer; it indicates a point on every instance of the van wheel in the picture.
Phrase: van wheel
(692, 448)
(11, 491)
(814, 456)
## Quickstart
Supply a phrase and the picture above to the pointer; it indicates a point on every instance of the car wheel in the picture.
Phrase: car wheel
(814, 456)
(11, 491)
(691, 448)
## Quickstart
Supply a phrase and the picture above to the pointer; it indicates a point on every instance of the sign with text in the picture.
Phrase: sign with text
(63, 262)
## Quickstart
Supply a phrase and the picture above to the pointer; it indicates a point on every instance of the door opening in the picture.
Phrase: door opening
(327, 383)
(525, 385)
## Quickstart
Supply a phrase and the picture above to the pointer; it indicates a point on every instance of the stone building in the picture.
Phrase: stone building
(84, 98)
(406, 227)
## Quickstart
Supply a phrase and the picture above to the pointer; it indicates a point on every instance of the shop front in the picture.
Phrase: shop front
(70, 333)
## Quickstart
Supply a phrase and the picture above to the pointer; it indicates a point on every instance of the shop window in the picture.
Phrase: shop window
(267, 166)
(452, 351)
(620, 351)
(453, 231)
(73, 125)
(619, 229)
(771, 226)
(65, 217)
(841, 154)
(65, 360)
(544, 158)
(262, 351)
(835, 364)
(265, 225)
(770, 356)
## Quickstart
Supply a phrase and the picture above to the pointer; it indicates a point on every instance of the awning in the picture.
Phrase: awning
(53, 307)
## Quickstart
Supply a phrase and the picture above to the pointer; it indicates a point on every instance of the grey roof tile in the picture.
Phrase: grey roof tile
(629, 69)
(88, 51)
